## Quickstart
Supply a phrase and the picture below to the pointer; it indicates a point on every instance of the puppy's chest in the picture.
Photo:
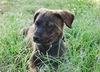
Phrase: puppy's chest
(52, 51)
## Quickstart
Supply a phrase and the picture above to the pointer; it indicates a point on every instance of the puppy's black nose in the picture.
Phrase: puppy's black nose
(36, 38)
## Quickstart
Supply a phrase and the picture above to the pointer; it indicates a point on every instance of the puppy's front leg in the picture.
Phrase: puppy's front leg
(33, 62)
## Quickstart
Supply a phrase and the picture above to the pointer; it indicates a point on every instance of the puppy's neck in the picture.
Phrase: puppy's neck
(56, 44)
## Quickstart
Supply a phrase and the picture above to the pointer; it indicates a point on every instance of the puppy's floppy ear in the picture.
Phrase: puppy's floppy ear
(67, 17)
(39, 11)
(35, 16)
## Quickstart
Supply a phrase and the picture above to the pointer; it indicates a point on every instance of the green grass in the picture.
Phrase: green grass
(83, 40)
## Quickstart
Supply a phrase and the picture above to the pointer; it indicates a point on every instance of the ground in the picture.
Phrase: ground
(83, 40)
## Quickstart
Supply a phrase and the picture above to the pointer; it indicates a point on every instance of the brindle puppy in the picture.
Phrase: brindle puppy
(45, 35)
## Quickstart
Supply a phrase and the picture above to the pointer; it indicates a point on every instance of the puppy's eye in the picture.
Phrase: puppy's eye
(48, 24)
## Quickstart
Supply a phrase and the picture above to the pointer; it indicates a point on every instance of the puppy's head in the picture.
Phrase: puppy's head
(48, 25)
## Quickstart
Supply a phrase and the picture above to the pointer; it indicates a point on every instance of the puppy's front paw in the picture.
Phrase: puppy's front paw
(32, 67)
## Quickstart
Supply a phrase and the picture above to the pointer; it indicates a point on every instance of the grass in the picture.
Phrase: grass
(83, 40)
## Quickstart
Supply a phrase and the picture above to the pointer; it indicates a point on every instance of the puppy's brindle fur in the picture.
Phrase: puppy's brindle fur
(45, 35)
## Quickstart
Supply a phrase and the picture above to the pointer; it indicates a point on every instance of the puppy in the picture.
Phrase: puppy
(45, 36)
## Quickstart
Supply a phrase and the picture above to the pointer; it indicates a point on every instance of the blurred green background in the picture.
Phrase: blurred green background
(83, 40)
